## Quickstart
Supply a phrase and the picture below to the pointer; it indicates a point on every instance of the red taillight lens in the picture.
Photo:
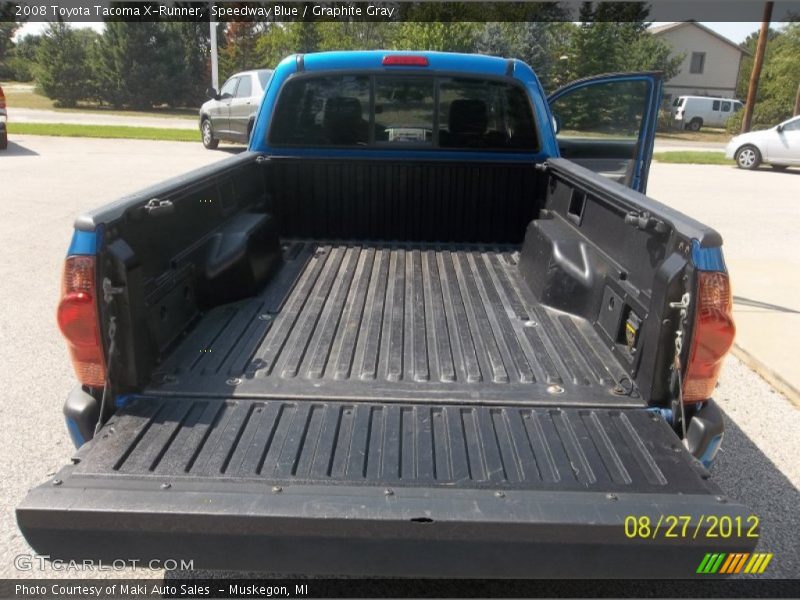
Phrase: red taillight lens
(714, 331)
(2, 99)
(77, 319)
(404, 60)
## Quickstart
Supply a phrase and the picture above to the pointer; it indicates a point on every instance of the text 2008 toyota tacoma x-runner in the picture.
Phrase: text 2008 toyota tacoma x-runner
(428, 324)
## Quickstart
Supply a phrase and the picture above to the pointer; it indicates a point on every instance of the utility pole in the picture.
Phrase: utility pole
(214, 63)
(797, 102)
(758, 61)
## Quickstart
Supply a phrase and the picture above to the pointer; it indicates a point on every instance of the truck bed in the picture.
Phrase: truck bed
(404, 323)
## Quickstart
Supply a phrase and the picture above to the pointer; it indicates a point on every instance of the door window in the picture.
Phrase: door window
(792, 125)
(715, 105)
(726, 107)
(245, 89)
(610, 110)
(607, 124)
(229, 89)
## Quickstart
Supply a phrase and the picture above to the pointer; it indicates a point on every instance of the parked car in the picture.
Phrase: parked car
(230, 113)
(3, 121)
(400, 335)
(694, 112)
(778, 146)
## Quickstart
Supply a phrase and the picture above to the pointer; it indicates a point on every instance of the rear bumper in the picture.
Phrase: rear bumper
(369, 531)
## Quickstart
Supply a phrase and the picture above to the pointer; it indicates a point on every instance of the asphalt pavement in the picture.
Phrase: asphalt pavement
(757, 213)
(46, 182)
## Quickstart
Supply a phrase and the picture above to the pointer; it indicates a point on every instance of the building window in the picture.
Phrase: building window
(698, 62)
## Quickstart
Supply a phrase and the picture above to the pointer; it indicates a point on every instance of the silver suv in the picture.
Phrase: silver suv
(230, 113)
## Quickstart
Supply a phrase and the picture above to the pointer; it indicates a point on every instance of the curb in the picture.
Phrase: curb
(768, 375)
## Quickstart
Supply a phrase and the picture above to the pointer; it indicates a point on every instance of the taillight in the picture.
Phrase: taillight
(78, 320)
(713, 335)
(404, 60)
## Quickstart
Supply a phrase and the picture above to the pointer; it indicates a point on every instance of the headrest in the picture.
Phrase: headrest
(468, 116)
(342, 109)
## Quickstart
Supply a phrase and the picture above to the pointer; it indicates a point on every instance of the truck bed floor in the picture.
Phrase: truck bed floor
(396, 323)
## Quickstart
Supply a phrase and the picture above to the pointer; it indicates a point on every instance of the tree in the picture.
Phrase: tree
(780, 77)
(63, 72)
(21, 58)
(746, 66)
(135, 64)
(541, 44)
(613, 37)
(189, 67)
(276, 41)
(274, 44)
(8, 27)
(239, 51)
(495, 39)
(436, 36)
(305, 36)
(355, 35)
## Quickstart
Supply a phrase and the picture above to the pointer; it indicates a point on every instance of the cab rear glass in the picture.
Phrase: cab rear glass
(397, 111)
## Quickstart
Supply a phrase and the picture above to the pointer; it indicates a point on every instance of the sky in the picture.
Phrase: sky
(736, 32)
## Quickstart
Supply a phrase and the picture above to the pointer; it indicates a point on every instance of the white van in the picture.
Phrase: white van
(693, 112)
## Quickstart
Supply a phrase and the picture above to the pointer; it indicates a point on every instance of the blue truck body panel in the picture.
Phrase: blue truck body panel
(708, 259)
(85, 243)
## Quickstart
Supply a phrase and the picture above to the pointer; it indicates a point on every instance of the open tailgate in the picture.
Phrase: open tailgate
(382, 489)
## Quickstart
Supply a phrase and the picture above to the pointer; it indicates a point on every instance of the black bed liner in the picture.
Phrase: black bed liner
(392, 489)
(404, 444)
(396, 323)
(385, 409)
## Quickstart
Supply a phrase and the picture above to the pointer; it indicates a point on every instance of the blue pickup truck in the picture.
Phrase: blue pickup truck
(428, 324)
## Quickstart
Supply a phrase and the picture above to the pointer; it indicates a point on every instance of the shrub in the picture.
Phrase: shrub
(766, 114)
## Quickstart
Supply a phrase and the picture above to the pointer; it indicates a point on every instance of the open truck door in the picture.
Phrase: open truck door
(608, 124)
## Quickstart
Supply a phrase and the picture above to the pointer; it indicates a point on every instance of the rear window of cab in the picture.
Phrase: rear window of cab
(395, 111)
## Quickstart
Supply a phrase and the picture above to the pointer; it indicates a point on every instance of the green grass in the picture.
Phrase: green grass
(24, 95)
(706, 134)
(692, 158)
(104, 131)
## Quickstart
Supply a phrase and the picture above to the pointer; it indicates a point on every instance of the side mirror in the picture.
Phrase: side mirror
(780, 128)
(212, 94)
